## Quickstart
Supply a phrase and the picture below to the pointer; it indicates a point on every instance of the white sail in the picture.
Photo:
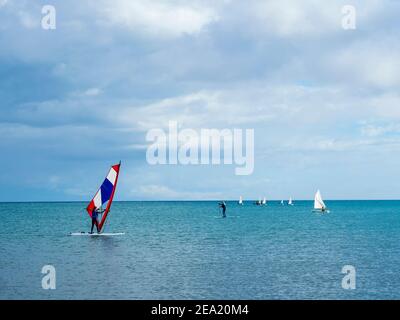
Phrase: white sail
(282, 202)
(240, 200)
(318, 202)
(290, 201)
(264, 201)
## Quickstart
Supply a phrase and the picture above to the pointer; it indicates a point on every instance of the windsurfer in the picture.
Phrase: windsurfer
(95, 214)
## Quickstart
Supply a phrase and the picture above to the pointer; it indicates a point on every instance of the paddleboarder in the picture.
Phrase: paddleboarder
(223, 206)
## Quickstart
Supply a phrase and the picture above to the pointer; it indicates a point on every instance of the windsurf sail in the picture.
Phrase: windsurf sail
(105, 194)
(264, 201)
(290, 202)
(318, 202)
(240, 200)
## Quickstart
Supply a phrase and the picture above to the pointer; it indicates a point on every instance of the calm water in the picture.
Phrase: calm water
(182, 250)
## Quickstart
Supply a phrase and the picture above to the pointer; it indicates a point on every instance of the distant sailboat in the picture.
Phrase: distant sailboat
(264, 202)
(319, 204)
(282, 203)
(241, 200)
(290, 202)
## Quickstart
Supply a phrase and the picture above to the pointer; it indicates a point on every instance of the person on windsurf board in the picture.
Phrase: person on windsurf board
(95, 222)
(103, 198)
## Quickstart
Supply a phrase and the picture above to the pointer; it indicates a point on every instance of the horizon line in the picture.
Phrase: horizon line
(190, 200)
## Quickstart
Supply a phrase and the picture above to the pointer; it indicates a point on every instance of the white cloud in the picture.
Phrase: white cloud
(255, 105)
(3, 3)
(374, 62)
(157, 18)
(164, 192)
(373, 130)
(93, 92)
(327, 144)
(287, 18)
(285, 68)
(247, 106)
(28, 20)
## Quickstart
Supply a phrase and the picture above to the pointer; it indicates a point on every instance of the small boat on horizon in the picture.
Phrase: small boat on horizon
(319, 204)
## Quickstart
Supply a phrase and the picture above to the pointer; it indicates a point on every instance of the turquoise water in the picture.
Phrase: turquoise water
(182, 250)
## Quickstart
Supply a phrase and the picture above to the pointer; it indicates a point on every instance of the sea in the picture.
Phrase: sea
(185, 250)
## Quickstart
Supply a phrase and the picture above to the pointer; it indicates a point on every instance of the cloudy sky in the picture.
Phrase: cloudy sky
(324, 102)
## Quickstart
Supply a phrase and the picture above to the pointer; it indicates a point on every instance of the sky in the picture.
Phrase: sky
(324, 101)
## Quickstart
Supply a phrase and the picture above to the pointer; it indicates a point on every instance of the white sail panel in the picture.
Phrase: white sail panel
(112, 175)
(318, 202)
(97, 200)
